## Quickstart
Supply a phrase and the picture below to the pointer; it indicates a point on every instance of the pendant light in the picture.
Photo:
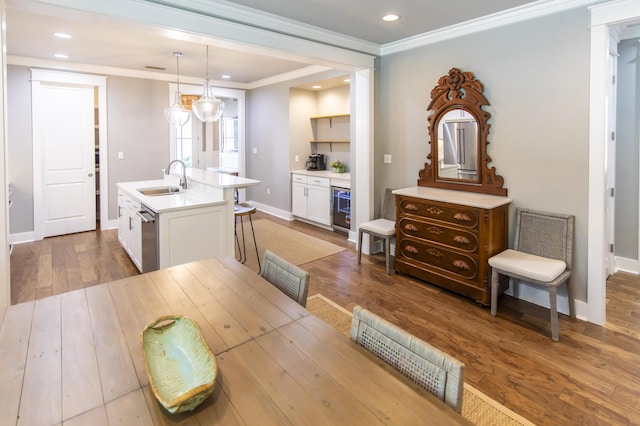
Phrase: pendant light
(177, 114)
(208, 108)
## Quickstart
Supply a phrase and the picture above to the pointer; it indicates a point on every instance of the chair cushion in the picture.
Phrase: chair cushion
(379, 226)
(528, 265)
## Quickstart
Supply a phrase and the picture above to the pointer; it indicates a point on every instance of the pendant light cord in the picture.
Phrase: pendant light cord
(207, 65)
(178, 54)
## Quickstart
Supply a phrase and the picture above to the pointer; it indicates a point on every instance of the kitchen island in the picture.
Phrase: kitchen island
(188, 224)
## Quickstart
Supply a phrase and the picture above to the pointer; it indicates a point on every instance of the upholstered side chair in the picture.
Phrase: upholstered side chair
(542, 255)
(384, 227)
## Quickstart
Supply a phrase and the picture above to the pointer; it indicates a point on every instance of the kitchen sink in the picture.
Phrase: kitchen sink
(161, 190)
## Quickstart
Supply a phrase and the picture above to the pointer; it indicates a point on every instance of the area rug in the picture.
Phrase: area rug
(291, 245)
(476, 406)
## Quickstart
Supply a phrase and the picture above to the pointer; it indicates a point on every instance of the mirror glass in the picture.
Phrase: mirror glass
(458, 146)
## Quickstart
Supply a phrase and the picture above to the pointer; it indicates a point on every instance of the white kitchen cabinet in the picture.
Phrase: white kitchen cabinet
(191, 234)
(130, 228)
(311, 198)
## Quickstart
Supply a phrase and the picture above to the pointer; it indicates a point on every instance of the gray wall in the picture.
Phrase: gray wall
(536, 77)
(136, 127)
(627, 155)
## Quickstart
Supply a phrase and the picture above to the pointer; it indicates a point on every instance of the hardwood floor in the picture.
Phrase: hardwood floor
(589, 377)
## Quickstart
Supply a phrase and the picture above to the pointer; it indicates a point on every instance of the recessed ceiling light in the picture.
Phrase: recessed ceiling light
(226, 77)
(390, 17)
(316, 87)
(61, 56)
(62, 35)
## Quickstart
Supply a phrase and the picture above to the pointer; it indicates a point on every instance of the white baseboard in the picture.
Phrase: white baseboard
(23, 237)
(282, 214)
(539, 295)
(626, 265)
(110, 224)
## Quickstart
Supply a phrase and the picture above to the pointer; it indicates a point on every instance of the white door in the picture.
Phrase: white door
(67, 131)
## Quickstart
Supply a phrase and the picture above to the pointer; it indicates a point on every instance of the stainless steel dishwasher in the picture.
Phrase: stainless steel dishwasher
(149, 229)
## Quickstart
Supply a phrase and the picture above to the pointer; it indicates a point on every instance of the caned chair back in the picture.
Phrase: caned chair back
(389, 205)
(431, 369)
(291, 280)
(545, 234)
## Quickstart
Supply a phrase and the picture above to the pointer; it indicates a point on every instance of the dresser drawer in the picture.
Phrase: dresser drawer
(433, 256)
(459, 238)
(459, 215)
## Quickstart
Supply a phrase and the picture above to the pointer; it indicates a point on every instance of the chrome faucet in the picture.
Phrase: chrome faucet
(183, 179)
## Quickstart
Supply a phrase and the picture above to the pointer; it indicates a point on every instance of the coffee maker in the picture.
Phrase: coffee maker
(317, 162)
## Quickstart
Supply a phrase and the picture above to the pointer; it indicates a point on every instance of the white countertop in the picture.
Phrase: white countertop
(472, 199)
(324, 173)
(215, 179)
(189, 198)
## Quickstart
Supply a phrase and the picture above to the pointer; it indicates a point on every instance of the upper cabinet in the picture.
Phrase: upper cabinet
(331, 128)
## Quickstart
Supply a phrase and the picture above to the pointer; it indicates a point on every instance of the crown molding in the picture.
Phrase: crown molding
(507, 17)
(243, 15)
(159, 76)
(299, 73)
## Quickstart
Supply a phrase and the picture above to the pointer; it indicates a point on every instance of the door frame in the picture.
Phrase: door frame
(603, 19)
(60, 77)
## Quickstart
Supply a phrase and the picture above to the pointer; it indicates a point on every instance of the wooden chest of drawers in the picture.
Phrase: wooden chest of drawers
(447, 237)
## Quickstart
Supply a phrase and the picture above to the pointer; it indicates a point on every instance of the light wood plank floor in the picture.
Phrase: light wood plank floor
(589, 377)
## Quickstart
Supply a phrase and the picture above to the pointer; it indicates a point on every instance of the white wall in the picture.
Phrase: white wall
(536, 77)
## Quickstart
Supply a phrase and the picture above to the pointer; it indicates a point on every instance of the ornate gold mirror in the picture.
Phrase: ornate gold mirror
(458, 129)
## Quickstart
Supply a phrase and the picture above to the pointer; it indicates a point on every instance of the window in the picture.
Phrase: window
(230, 134)
(184, 142)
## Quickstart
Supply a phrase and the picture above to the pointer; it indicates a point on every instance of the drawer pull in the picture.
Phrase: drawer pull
(435, 253)
(434, 230)
(461, 264)
(411, 249)
(463, 217)
(410, 227)
(435, 211)
(461, 239)
(411, 207)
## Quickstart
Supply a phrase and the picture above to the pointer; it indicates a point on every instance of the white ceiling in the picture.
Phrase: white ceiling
(100, 40)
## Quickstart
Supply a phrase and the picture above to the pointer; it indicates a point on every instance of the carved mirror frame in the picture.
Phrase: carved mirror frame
(459, 90)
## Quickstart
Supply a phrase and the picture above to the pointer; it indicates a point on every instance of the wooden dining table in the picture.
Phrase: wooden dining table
(76, 358)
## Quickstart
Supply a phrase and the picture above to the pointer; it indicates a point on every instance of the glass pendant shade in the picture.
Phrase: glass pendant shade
(208, 108)
(177, 114)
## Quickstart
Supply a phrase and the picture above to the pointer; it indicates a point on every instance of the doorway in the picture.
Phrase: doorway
(66, 142)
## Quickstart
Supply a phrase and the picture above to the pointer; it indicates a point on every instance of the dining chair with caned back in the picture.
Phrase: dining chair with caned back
(384, 227)
(287, 277)
(542, 255)
(433, 370)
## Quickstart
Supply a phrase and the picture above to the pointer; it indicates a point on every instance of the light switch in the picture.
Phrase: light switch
(387, 158)
(254, 150)
(120, 155)
(297, 158)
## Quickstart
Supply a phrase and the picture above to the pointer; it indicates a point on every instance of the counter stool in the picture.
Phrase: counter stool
(241, 210)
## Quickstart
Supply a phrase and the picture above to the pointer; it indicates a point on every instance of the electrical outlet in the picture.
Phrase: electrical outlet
(387, 158)
(268, 191)
(254, 150)
(120, 155)
(297, 158)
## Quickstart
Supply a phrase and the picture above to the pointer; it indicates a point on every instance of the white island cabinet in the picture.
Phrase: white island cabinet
(130, 228)
(193, 224)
